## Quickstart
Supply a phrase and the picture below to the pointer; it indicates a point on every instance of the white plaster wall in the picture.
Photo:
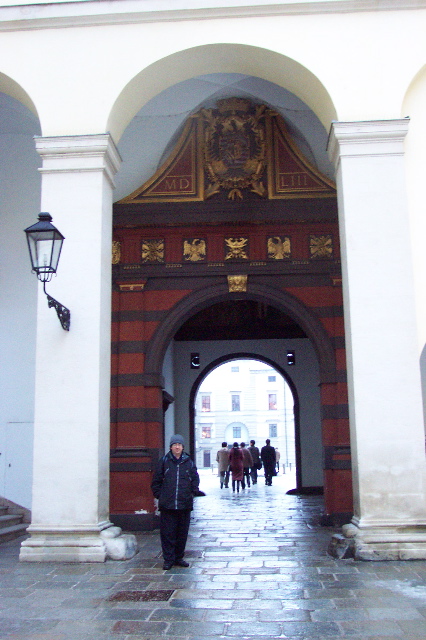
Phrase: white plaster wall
(415, 161)
(305, 376)
(19, 207)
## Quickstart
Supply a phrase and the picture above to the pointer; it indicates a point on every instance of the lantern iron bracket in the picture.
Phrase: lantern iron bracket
(63, 313)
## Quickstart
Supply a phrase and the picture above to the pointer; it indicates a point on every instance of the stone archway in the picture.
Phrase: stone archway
(190, 290)
(327, 381)
(201, 298)
(220, 58)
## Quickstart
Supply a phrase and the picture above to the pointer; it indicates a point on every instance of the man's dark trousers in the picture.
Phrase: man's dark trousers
(174, 527)
(253, 473)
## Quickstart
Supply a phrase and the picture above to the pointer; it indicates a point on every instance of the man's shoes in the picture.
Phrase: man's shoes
(167, 566)
(181, 563)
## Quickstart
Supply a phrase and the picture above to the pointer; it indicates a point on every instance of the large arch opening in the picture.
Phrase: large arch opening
(19, 206)
(226, 58)
(248, 328)
(167, 308)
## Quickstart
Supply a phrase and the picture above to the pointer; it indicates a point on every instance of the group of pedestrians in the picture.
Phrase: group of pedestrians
(241, 464)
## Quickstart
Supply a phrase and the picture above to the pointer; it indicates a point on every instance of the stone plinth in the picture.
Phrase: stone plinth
(77, 545)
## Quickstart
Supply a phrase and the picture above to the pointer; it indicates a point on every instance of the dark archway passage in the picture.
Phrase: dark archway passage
(269, 335)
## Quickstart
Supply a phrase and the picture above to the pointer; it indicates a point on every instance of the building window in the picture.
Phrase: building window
(205, 403)
(272, 401)
(273, 431)
(236, 433)
(235, 369)
(271, 378)
(235, 402)
(206, 431)
(206, 458)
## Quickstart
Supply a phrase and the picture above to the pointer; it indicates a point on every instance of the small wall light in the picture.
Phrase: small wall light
(291, 358)
(45, 244)
(195, 361)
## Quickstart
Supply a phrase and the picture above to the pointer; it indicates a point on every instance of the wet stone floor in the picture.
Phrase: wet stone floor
(258, 569)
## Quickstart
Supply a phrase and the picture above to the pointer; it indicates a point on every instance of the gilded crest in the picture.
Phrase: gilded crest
(235, 148)
(153, 250)
(236, 248)
(279, 247)
(321, 247)
(116, 252)
(237, 283)
(194, 249)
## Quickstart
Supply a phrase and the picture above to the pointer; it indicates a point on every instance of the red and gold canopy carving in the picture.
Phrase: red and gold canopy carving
(236, 147)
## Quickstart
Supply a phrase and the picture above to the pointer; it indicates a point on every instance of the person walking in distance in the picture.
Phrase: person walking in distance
(247, 465)
(236, 465)
(222, 459)
(267, 454)
(175, 483)
(255, 454)
(277, 458)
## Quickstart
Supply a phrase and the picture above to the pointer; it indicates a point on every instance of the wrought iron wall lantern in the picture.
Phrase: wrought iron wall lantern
(45, 244)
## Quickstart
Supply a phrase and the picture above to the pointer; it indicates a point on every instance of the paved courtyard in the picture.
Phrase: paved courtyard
(258, 569)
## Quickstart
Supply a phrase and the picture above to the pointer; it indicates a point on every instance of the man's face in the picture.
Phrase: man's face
(177, 449)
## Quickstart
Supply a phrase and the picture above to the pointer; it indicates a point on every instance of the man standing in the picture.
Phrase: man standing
(255, 454)
(247, 465)
(267, 454)
(174, 484)
(222, 459)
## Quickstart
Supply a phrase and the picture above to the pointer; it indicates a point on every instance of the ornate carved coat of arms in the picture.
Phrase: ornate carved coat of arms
(235, 149)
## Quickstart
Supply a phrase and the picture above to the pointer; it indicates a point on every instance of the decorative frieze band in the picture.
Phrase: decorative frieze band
(195, 250)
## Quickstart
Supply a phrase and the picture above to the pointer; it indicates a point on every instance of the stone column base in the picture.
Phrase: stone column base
(77, 545)
(380, 543)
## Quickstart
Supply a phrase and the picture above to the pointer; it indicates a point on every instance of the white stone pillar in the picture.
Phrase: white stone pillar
(387, 435)
(71, 432)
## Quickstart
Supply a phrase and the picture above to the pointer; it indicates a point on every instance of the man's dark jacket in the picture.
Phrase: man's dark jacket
(175, 482)
(267, 454)
(254, 454)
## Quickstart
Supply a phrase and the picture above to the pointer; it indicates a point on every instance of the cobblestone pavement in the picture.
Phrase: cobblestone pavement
(258, 569)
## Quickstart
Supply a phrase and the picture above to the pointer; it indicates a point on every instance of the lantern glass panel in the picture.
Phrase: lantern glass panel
(45, 250)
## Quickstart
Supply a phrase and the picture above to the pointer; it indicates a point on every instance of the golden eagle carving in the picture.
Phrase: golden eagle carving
(194, 249)
(234, 147)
